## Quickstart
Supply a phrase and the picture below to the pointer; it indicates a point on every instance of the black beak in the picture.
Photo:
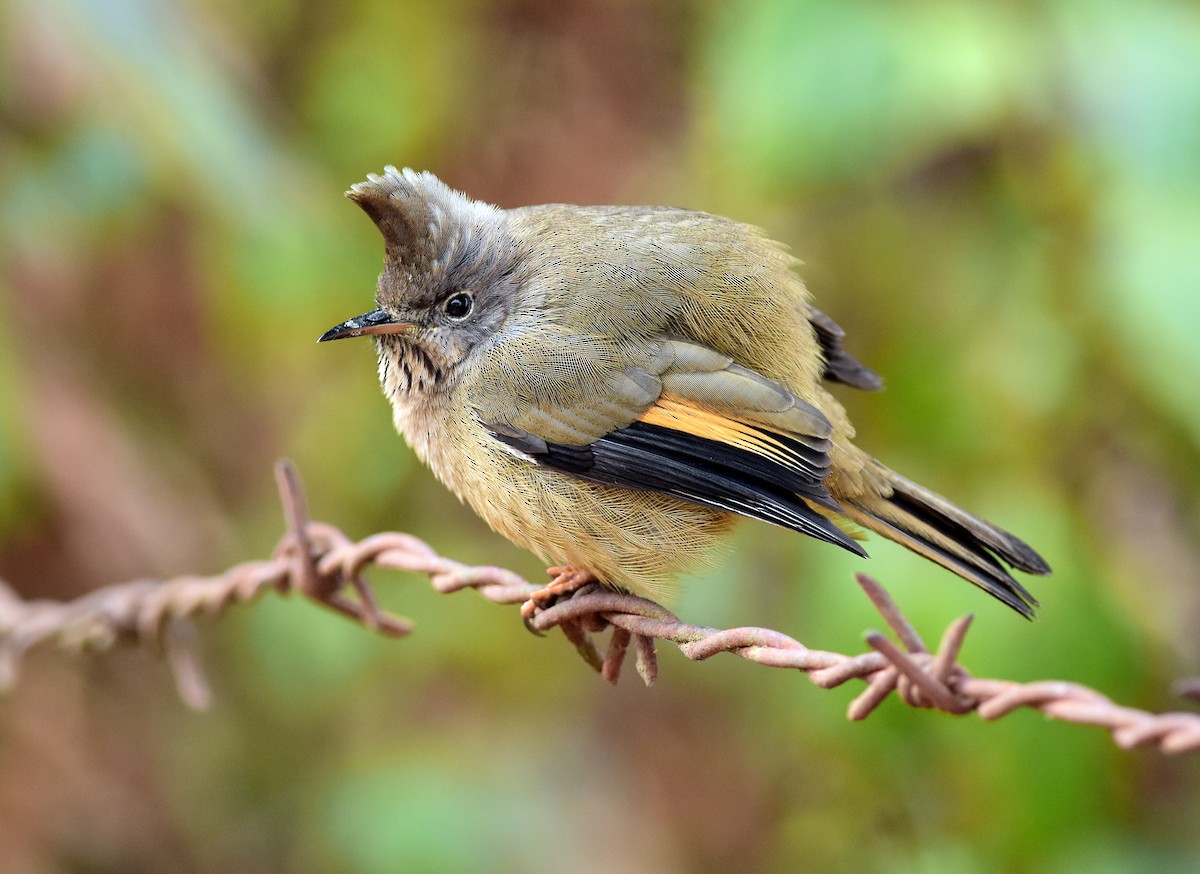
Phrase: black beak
(375, 322)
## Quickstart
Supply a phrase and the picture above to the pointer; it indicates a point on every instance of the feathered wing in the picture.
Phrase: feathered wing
(693, 425)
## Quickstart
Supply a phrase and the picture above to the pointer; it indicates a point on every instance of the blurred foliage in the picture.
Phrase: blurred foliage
(999, 201)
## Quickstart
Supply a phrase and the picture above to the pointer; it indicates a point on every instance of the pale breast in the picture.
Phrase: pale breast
(633, 540)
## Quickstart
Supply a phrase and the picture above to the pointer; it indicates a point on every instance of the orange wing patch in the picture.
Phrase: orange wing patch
(680, 415)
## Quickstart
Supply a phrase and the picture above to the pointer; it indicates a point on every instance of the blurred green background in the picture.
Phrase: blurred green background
(999, 201)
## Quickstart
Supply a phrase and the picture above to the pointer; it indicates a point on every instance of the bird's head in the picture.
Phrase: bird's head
(448, 280)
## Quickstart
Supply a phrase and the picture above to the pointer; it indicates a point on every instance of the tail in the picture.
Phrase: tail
(931, 526)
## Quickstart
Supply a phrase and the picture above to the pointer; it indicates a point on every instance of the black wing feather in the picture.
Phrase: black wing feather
(840, 365)
(699, 470)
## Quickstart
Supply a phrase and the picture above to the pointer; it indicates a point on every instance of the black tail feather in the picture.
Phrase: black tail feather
(974, 549)
(981, 537)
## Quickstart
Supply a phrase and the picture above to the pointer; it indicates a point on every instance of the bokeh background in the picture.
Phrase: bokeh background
(999, 201)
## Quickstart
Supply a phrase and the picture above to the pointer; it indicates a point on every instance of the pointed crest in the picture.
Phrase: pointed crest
(424, 222)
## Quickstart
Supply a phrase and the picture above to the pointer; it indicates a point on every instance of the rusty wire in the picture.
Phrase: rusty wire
(319, 562)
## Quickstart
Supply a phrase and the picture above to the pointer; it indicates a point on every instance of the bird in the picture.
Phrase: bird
(612, 387)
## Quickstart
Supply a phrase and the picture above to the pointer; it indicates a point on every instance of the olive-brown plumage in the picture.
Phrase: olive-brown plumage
(610, 387)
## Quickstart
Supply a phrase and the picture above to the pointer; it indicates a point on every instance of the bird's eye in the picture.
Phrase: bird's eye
(458, 306)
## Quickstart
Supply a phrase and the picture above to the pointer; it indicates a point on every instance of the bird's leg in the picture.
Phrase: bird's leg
(567, 581)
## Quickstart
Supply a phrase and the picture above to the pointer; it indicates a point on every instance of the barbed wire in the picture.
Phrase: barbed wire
(320, 562)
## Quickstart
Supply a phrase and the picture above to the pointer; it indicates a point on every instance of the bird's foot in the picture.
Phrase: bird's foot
(567, 581)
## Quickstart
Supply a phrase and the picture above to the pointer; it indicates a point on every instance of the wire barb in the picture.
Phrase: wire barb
(322, 564)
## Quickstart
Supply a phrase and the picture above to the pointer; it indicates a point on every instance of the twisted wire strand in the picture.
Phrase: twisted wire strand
(320, 562)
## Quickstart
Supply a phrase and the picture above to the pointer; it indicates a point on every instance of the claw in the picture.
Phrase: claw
(528, 611)
(567, 581)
